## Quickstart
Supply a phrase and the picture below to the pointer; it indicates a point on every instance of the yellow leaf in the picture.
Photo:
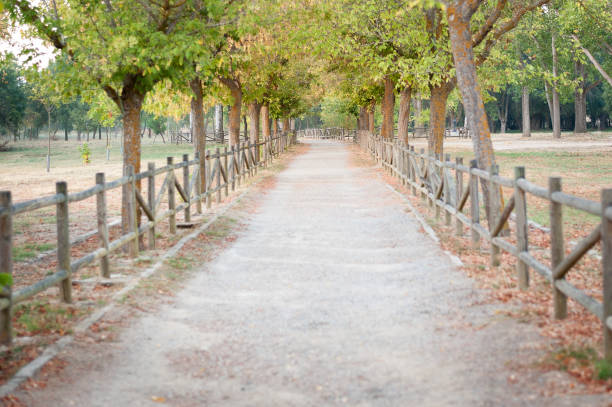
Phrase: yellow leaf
(158, 399)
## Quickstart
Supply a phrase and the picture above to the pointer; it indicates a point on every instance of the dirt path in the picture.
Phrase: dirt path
(331, 295)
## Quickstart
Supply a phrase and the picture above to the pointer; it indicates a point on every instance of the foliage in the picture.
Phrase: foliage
(12, 95)
(85, 153)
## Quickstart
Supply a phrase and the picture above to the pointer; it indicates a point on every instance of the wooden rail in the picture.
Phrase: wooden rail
(222, 169)
(333, 133)
(441, 183)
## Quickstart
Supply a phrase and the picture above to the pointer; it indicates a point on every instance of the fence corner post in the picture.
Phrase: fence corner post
(606, 262)
(186, 189)
(63, 242)
(102, 224)
(151, 200)
(494, 215)
(522, 238)
(474, 205)
(6, 265)
(458, 195)
(171, 195)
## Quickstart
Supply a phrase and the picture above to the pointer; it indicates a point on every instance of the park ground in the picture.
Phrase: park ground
(584, 165)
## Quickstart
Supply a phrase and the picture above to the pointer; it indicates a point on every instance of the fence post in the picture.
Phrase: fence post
(171, 196)
(606, 263)
(423, 191)
(218, 152)
(196, 184)
(447, 197)
(102, 225)
(459, 194)
(233, 177)
(557, 251)
(225, 171)
(132, 210)
(63, 241)
(412, 170)
(6, 264)
(522, 239)
(432, 200)
(494, 202)
(208, 181)
(186, 189)
(474, 205)
(151, 201)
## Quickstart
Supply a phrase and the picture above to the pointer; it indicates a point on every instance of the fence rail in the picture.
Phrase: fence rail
(450, 186)
(332, 133)
(223, 169)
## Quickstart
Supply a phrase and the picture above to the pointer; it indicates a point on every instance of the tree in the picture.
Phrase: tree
(124, 48)
(12, 95)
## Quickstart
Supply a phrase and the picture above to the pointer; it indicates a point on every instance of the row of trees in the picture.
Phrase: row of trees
(277, 59)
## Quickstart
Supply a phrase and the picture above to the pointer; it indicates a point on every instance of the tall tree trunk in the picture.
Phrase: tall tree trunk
(131, 101)
(461, 44)
(555, 92)
(285, 125)
(388, 108)
(265, 118)
(274, 127)
(580, 99)
(437, 116)
(371, 122)
(199, 131)
(218, 123)
(65, 134)
(503, 111)
(403, 121)
(254, 113)
(234, 114)
(525, 112)
(418, 111)
(99, 132)
(549, 102)
(363, 119)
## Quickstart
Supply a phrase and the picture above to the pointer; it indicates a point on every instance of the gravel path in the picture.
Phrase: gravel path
(331, 295)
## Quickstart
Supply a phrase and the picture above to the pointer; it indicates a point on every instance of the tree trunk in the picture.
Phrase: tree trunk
(525, 112)
(286, 125)
(503, 111)
(99, 132)
(131, 101)
(65, 134)
(388, 108)
(254, 113)
(234, 114)
(79, 135)
(556, 119)
(265, 118)
(403, 121)
(363, 119)
(274, 127)
(199, 132)
(218, 123)
(418, 111)
(467, 80)
(371, 122)
(551, 110)
(580, 99)
(437, 116)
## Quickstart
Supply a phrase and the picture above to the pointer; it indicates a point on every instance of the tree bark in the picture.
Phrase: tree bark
(371, 121)
(463, 54)
(234, 114)
(199, 131)
(525, 112)
(437, 116)
(388, 108)
(556, 119)
(254, 114)
(274, 127)
(131, 101)
(418, 111)
(218, 123)
(363, 119)
(403, 121)
(580, 99)
(286, 125)
(265, 118)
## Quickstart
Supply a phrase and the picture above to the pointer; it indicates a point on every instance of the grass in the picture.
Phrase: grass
(38, 317)
(30, 250)
(568, 359)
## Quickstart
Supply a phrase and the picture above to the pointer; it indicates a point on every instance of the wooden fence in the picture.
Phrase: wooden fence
(333, 133)
(449, 186)
(222, 169)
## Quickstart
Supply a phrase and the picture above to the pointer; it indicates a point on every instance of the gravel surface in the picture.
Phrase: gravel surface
(331, 295)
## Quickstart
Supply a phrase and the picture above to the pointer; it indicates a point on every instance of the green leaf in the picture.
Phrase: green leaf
(6, 280)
